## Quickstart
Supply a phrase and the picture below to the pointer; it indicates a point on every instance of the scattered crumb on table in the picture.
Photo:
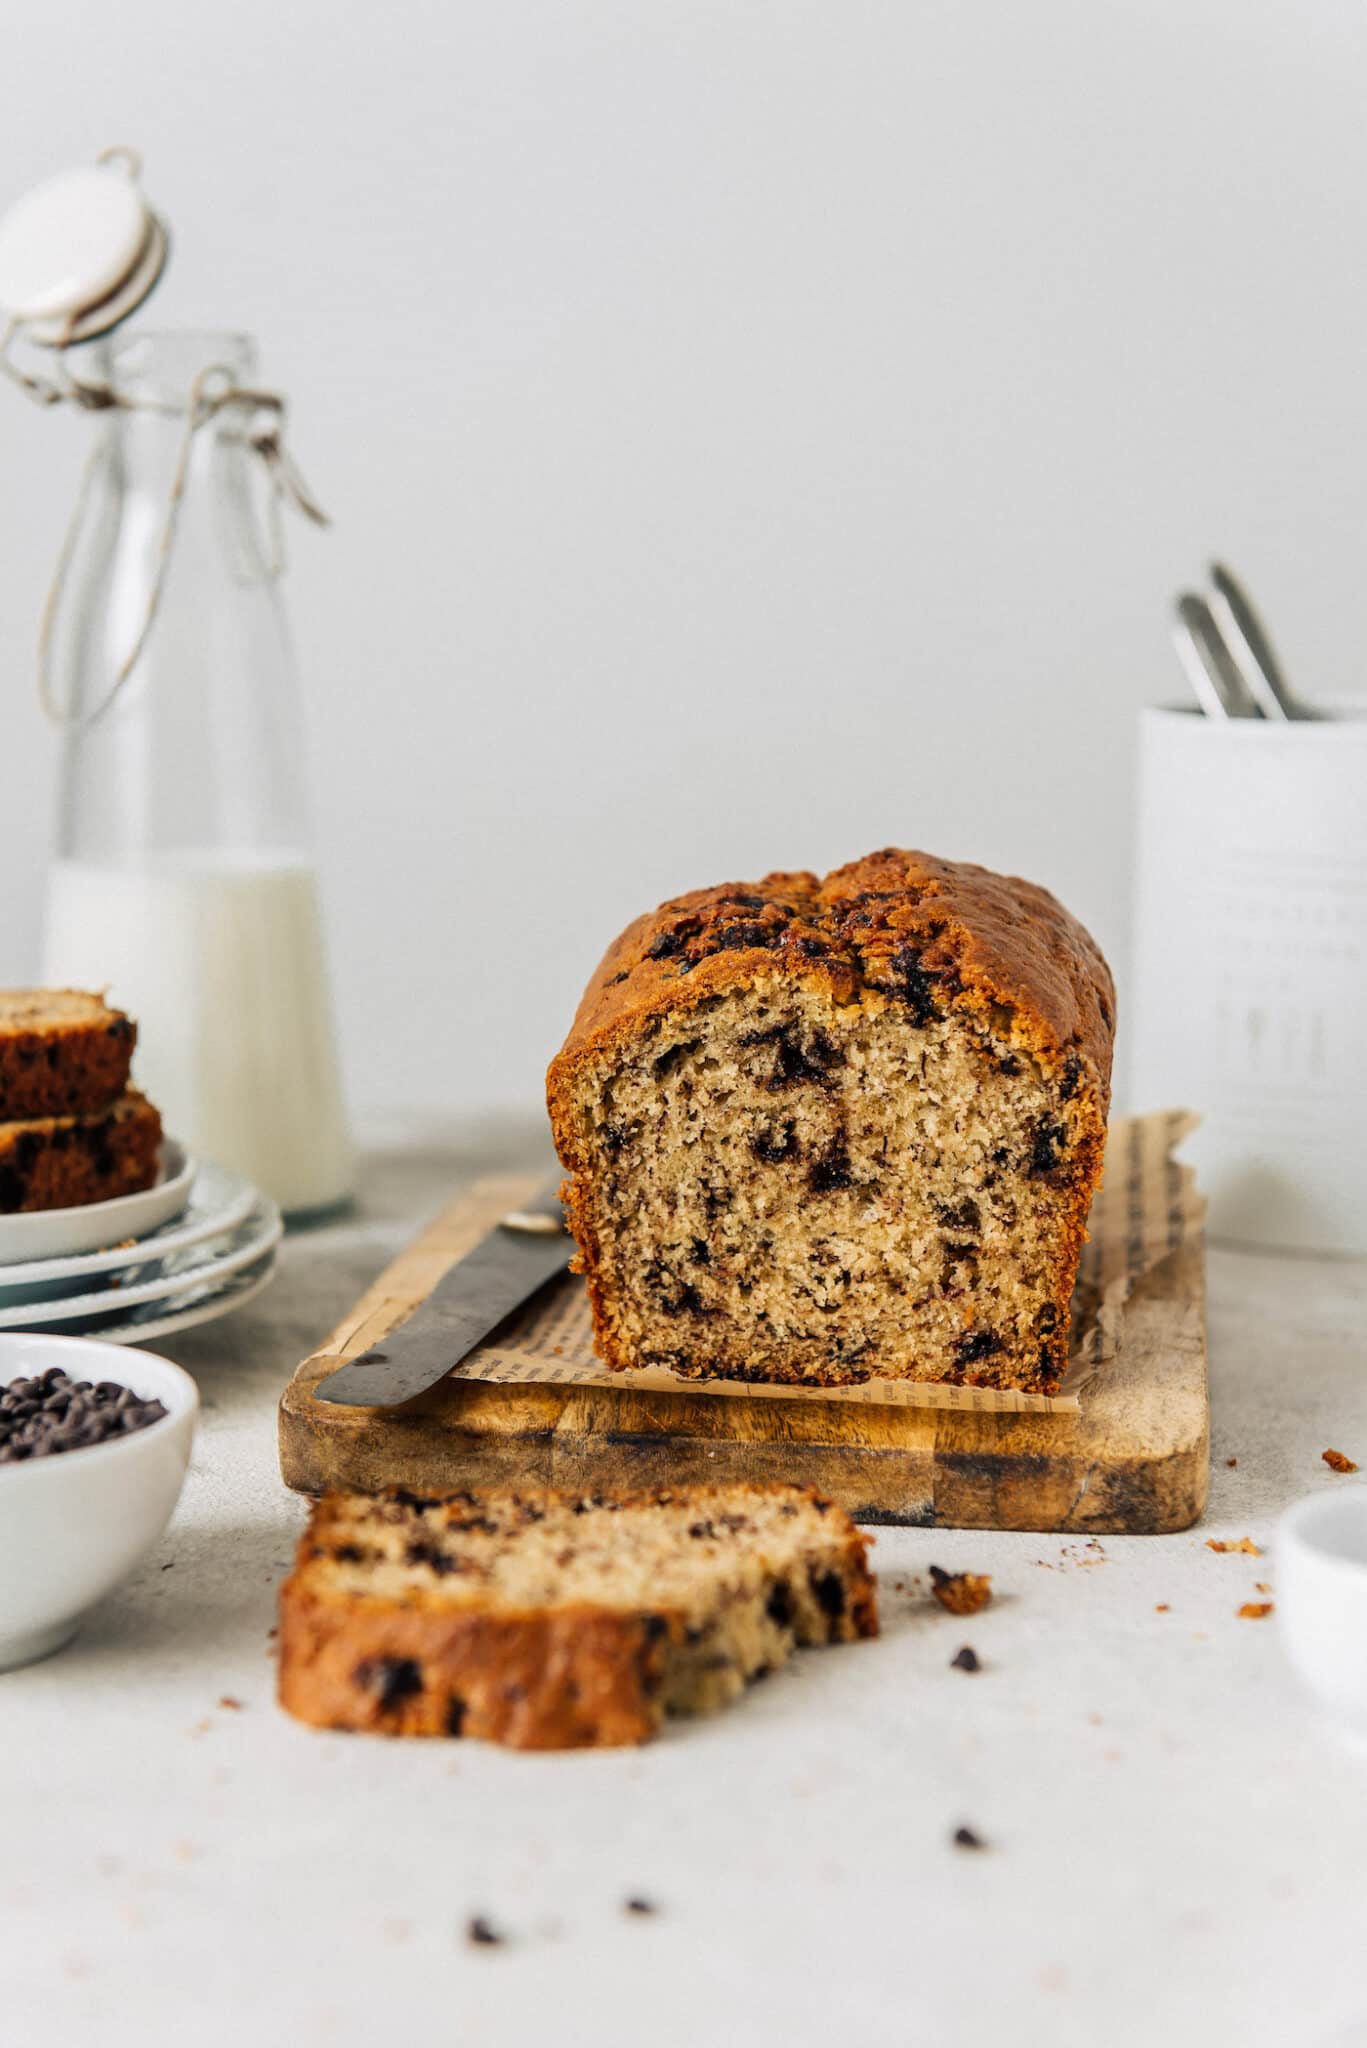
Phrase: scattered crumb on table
(960, 1592)
(1255, 1610)
(1338, 1461)
(1245, 1545)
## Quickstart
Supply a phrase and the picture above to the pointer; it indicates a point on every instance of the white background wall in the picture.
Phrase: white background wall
(756, 433)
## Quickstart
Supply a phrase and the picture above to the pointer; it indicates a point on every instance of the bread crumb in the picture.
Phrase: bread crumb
(960, 1592)
(1255, 1610)
(230, 1705)
(1162, 1608)
(1338, 1461)
(1231, 1462)
(1261, 1586)
(1245, 1545)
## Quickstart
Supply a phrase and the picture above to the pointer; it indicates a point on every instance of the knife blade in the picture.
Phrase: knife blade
(524, 1250)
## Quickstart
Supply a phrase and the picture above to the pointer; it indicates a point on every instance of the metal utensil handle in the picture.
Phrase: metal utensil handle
(1250, 647)
(1207, 662)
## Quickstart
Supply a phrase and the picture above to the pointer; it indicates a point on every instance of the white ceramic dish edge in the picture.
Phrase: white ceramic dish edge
(1321, 1574)
(63, 1233)
(72, 1527)
(236, 1293)
(41, 1315)
(235, 1199)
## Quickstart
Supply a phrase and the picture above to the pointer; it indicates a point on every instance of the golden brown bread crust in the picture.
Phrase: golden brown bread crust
(569, 1677)
(990, 940)
(62, 1053)
(66, 1162)
(897, 923)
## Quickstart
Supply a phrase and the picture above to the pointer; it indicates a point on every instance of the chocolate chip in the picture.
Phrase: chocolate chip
(436, 1560)
(1072, 1074)
(966, 1660)
(977, 1345)
(391, 1679)
(455, 1715)
(965, 1838)
(829, 1589)
(51, 1415)
(775, 1146)
(780, 1606)
(1049, 1142)
(832, 1170)
(639, 1905)
(914, 985)
(482, 1933)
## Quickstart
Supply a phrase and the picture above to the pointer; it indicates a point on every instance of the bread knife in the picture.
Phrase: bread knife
(524, 1250)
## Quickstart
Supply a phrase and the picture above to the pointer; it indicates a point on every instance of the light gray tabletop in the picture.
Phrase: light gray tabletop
(1175, 1849)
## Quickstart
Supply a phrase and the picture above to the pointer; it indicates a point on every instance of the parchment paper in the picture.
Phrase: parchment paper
(1147, 1205)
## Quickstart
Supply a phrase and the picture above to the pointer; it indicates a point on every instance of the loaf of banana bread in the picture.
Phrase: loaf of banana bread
(821, 1131)
(59, 1162)
(62, 1053)
(558, 1621)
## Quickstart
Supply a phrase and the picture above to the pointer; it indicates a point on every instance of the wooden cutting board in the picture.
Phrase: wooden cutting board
(1134, 1459)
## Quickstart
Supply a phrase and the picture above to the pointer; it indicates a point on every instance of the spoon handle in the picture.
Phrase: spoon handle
(1250, 646)
(1207, 663)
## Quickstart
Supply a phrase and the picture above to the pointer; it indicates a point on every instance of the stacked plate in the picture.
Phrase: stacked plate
(200, 1242)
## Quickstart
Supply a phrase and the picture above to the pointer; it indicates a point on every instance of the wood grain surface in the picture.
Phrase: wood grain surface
(1134, 1460)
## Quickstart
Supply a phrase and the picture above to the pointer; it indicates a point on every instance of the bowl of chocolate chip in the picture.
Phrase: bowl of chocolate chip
(94, 1444)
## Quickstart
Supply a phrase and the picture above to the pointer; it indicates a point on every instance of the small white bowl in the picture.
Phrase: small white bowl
(1321, 1555)
(73, 1526)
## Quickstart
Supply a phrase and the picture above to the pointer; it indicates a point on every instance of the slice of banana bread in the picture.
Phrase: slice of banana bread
(821, 1131)
(62, 1053)
(558, 1621)
(62, 1162)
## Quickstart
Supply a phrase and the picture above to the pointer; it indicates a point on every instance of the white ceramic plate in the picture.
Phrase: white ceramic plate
(200, 1266)
(219, 1201)
(63, 1233)
(163, 1319)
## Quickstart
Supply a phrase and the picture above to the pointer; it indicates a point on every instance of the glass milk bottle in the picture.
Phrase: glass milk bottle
(182, 880)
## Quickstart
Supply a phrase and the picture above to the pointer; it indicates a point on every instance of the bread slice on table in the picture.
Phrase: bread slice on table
(830, 1130)
(62, 1053)
(61, 1162)
(560, 1621)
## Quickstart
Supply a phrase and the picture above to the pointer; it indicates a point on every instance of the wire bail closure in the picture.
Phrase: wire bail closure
(212, 393)
(116, 283)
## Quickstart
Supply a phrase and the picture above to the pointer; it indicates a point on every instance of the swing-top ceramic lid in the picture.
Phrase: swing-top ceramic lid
(80, 253)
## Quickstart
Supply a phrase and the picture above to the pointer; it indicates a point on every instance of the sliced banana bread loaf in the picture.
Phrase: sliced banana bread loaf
(59, 1162)
(822, 1131)
(62, 1053)
(555, 1621)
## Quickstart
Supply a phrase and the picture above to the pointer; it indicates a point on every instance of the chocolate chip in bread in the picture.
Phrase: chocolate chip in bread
(558, 1621)
(825, 1130)
(62, 1053)
(61, 1162)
